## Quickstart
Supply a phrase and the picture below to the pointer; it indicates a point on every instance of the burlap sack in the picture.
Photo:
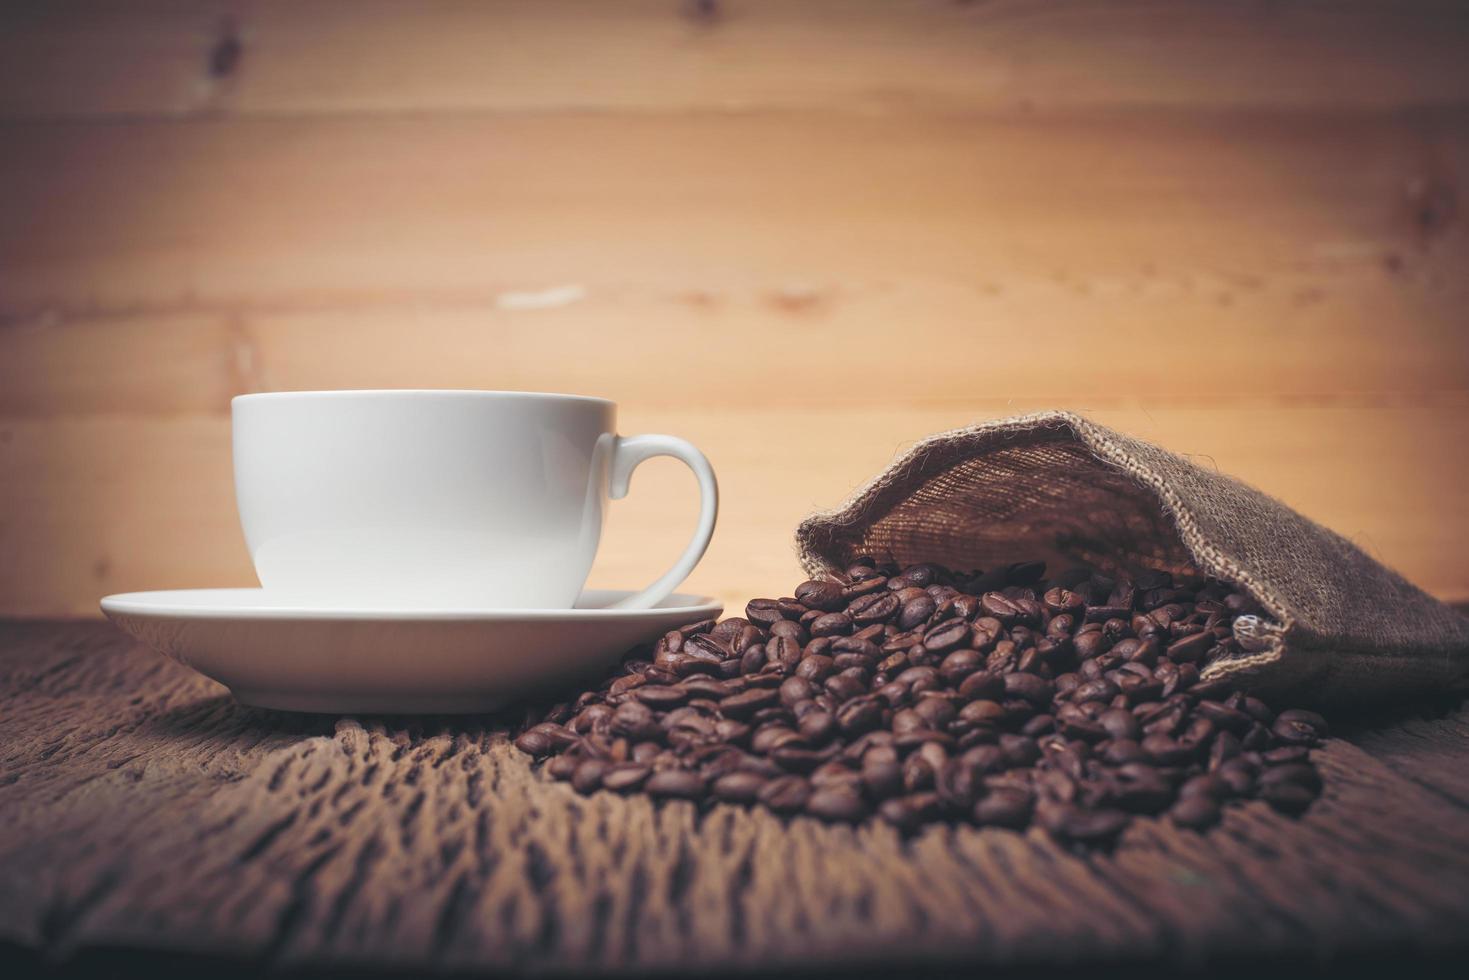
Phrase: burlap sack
(1339, 627)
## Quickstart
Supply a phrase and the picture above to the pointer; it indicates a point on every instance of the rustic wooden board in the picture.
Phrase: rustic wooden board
(917, 342)
(316, 56)
(140, 808)
(94, 505)
(404, 211)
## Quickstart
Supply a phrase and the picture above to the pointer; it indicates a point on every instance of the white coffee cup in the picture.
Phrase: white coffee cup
(440, 499)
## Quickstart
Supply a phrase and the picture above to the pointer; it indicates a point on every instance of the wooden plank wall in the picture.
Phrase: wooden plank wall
(803, 234)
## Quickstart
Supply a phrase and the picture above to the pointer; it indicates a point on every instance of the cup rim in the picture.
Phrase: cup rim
(420, 392)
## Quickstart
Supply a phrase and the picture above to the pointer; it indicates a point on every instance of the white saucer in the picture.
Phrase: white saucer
(273, 653)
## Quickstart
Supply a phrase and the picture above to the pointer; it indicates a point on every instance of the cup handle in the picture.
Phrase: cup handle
(627, 453)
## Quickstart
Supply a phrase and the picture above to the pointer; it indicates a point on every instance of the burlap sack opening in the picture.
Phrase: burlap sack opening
(1338, 627)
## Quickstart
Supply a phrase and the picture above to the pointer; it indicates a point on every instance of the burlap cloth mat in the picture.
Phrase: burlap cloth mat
(1339, 627)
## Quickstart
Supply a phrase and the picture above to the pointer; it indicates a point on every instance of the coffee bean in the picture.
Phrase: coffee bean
(1028, 687)
(794, 690)
(690, 718)
(747, 703)
(763, 611)
(706, 687)
(1165, 750)
(916, 611)
(562, 766)
(846, 685)
(882, 779)
(935, 712)
(661, 698)
(587, 777)
(982, 685)
(1119, 723)
(534, 743)
(1019, 750)
(1103, 614)
(859, 715)
(825, 596)
(675, 783)
(1190, 648)
(832, 624)
(817, 726)
(711, 648)
(1037, 725)
(1081, 825)
(754, 659)
(772, 736)
(873, 748)
(876, 608)
(1258, 738)
(1003, 808)
(1257, 710)
(594, 717)
(794, 758)
(1240, 779)
(738, 787)
(906, 720)
(1240, 604)
(1298, 727)
(1121, 751)
(920, 677)
(1224, 747)
(1209, 784)
(1138, 788)
(866, 587)
(688, 664)
(1197, 811)
(625, 776)
(1296, 774)
(960, 782)
(1224, 716)
(946, 636)
(727, 628)
(1289, 798)
(847, 660)
(622, 685)
(909, 812)
(1100, 689)
(702, 626)
(814, 667)
(835, 772)
(1215, 690)
(1062, 601)
(785, 794)
(836, 804)
(783, 650)
(931, 694)
(995, 604)
(982, 713)
(959, 665)
(918, 774)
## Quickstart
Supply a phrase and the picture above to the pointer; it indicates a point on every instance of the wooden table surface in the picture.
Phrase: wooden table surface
(142, 810)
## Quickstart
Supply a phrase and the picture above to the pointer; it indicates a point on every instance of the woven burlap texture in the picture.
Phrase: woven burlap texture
(1339, 627)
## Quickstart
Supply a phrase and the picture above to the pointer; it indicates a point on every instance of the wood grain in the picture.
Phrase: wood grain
(346, 56)
(838, 344)
(113, 504)
(142, 809)
(275, 214)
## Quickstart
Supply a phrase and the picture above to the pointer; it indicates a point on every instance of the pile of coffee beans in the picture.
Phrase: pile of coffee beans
(920, 694)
